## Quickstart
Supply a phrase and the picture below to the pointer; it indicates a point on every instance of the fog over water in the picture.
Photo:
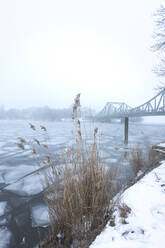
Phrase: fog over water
(52, 50)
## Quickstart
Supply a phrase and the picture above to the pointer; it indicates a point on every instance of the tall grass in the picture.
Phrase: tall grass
(143, 159)
(78, 191)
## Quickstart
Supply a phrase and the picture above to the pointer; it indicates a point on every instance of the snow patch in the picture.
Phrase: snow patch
(144, 226)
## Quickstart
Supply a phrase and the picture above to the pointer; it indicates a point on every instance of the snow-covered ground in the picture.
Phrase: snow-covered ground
(143, 225)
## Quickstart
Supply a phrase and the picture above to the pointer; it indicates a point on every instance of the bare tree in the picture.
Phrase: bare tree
(159, 44)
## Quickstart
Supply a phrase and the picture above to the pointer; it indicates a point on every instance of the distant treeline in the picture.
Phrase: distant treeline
(49, 114)
(40, 113)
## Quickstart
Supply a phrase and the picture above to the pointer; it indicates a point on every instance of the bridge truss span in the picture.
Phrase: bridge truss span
(113, 109)
(154, 107)
(120, 110)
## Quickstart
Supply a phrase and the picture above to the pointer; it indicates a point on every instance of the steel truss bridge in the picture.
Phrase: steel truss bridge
(154, 107)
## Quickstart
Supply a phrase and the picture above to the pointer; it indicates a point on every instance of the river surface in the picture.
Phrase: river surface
(23, 214)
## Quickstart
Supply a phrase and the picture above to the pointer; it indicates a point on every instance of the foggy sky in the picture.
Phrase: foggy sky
(51, 50)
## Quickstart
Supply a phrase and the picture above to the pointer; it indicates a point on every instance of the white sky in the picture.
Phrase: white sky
(51, 50)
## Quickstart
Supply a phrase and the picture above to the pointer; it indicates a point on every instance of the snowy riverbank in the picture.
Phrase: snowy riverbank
(142, 224)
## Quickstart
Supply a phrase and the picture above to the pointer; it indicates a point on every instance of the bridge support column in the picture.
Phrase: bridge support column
(126, 130)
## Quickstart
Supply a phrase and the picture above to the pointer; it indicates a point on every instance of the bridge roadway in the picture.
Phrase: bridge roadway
(154, 107)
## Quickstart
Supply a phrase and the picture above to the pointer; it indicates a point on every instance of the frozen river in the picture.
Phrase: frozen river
(23, 214)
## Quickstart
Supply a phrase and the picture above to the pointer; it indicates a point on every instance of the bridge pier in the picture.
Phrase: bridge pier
(126, 130)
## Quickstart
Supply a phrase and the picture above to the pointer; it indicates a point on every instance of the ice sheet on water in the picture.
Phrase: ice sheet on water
(13, 173)
(40, 216)
(104, 154)
(3, 221)
(2, 152)
(57, 141)
(22, 153)
(111, 160)
(161, 144)
(2, 179)
(4, 237)
(3, 205)
(2, 143)
(13, 147)
(30, 185)
(17, 188)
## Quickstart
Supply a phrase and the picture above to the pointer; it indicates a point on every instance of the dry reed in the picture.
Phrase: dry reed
(142, 160)
(78, 192)
(78, 196)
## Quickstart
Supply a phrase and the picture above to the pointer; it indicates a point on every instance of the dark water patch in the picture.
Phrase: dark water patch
(18, 216)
